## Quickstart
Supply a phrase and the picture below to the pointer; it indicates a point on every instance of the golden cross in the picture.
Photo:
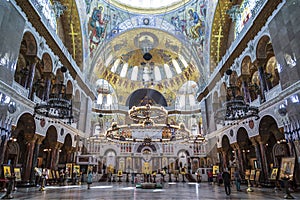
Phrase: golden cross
(73, 34)
(219, 36)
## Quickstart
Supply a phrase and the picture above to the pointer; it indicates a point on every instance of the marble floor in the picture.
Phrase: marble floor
(121, 191)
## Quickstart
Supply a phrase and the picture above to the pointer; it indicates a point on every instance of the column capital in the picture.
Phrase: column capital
(259, 139)
(39, 139)
(253, 141)
(30, 137)
(235, 146)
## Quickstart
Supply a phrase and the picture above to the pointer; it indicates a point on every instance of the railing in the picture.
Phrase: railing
(273, 93)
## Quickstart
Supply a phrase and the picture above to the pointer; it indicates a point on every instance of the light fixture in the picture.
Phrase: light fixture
(149, 127)
(58, 106)
(235, 108)
(148, 114)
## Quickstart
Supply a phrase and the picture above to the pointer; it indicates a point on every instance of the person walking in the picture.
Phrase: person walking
(226, 180)
(89, 179)
(237, 180)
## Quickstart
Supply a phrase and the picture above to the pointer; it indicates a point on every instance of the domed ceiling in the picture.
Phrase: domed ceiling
(147, 44)
(123, 63)
(148, 6)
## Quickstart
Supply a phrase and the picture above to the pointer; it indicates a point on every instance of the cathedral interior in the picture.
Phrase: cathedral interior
(150, 86)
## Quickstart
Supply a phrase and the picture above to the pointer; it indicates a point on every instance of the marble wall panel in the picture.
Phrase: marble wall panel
(285, 37)
(11, 32)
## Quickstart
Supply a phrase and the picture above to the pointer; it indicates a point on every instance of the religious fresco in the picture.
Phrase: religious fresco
(243, 15)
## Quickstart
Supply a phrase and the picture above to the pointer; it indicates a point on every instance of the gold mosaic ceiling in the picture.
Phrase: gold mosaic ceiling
(127, 50)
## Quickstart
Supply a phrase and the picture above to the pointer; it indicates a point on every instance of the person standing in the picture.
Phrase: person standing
(226, 180)
(237, 179)
(210, 177)
(89, 179)
(198, 174)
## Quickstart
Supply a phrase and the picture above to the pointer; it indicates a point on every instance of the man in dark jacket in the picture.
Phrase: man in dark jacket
(226, 179)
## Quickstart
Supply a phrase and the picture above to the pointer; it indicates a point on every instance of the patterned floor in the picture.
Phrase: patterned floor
(121, 191)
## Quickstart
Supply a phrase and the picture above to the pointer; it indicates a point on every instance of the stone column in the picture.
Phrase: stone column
(247, 97)
(69, 156)
(54, 151)
(59, 146)
(47, 85)
(237, 162)
(37, 144)
(224, 158)
(257, 152)
(240, 159)
(31, 77)
(264, 163)
(30, 139)
(5, 127)
(263, 84)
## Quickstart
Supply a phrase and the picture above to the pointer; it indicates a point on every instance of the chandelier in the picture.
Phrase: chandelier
(148, 114)
(150, 126)
(235, 108)
(58, 106)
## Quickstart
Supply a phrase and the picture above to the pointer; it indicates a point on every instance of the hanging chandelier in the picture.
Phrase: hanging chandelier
(148, 114)
(150, 126)
(58, 106)
(235, 108)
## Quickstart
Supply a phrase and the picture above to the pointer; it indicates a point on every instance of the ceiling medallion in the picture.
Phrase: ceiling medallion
(147, 56)
(146, 21)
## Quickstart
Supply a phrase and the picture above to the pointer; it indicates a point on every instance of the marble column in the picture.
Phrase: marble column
(263, 84)
(257, 152)
(69, 156)
(224, 158)
(54, 152)
(237, 162)
(47, 86)
(30, 139)
(37, 144)
(5, 127)
(264, 163)
(59, 146)
(240, 158)
(31, 77)
(247, 97)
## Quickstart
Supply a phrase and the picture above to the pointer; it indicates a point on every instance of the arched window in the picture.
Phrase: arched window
(134, 74)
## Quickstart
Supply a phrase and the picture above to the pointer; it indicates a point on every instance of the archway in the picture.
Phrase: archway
(24, 134)
(47, 151)
(146, 95)
(228, 159)
(246, 152)
(66, 154)
(271, 136)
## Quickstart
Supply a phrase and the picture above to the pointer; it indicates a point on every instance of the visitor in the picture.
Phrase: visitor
(210, 177)
(198, 174)
(220, 178)
(237, 179)
(38, 175)
(89, 179)
(226, 180)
